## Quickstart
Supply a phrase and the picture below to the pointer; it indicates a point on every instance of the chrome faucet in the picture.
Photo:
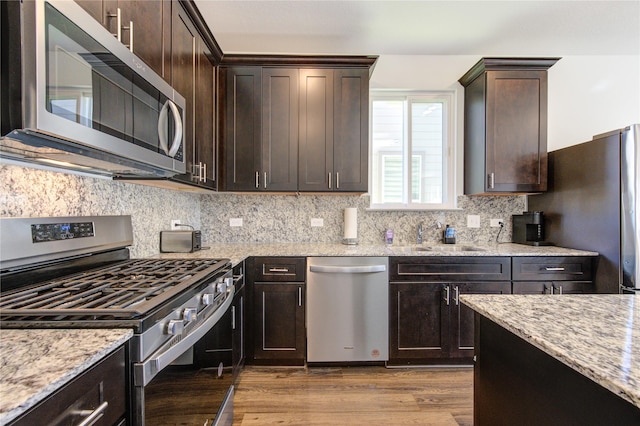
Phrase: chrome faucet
(419, 237)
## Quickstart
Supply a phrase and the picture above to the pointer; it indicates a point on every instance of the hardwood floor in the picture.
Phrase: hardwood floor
(354, 396)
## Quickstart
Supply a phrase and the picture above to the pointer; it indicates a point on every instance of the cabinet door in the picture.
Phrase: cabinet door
(419, 326)
(351, 129)
(149, 19)
(183, 71)
(279, 171)
(573, 287)
(240, 132)
(205, 118)
(516, 144)
(316, 129)
(462, 317)
(216, 346)
(532, 287)
(279, 322)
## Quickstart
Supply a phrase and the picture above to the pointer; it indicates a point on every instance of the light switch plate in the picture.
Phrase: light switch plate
(473, 221)
(235, 221)
(317, 221)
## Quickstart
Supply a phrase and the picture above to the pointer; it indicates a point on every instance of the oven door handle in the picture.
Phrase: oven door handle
(145, 371)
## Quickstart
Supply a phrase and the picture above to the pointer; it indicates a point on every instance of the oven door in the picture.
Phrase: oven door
(170, 389)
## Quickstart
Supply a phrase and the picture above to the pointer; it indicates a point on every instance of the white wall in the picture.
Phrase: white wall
(587, 95)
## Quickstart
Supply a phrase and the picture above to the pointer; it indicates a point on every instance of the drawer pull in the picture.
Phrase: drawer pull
(555, 269)
(95, 415)
(278, 270)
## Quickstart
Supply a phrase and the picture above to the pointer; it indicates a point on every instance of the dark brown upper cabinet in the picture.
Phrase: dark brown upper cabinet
(334, 130)
(505, 125)
(143, 24)
(294, 123)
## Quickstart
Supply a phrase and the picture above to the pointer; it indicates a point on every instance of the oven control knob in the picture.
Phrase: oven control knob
(189, 314)
(221, 287)
(229, 282)
(175, 327)
(208, 299)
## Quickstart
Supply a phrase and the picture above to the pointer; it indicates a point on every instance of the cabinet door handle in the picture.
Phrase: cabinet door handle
(257, 179)
(204, 172)
(556, 269)
(118, 33)
(130, 29)
(446, 294)
(491, 180)
(456, 295)
(278, 270)
(233, 317)
(299, 296)
(337, 180)
(264, 183)
(329, 180)
(559, 289)
(93, 416)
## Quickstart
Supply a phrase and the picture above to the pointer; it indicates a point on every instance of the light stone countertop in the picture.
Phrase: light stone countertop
(596, 335)
(238, 252)
(34, 363)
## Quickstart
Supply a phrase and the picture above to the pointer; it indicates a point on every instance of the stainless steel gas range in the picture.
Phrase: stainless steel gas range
(75, 272)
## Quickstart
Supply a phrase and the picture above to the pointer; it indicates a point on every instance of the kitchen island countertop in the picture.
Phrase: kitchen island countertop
(240, 251)
(34, 363)
(596, 335)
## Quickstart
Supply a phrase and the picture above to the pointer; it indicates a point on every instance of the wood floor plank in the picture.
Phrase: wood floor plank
(354, 395)
(346, 418)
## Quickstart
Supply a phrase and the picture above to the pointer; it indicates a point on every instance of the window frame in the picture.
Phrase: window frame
(449, 164)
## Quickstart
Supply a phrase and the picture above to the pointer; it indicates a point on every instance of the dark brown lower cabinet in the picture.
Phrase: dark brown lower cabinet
(427, 322)
(279, 330)
(553, 287)
(103, 388)
(516, 383)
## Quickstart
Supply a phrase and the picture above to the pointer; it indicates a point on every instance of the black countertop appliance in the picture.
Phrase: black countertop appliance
(528, 228)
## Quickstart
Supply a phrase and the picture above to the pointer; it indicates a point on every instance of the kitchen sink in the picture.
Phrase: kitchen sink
(452, 247)
(440, 248)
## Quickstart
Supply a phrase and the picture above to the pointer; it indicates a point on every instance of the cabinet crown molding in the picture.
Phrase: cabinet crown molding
(491, 64)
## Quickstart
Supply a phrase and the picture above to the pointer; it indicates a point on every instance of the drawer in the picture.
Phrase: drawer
(280, 268)
(102, 386)
(556, 268)
(453, 268)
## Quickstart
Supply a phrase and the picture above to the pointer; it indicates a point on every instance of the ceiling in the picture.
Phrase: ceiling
(427, 27)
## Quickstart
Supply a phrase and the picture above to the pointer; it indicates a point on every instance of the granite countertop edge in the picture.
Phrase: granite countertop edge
(237, 252)
(570, 352)
(35, 363)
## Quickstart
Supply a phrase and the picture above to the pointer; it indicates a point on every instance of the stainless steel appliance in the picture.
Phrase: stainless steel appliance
(347, 309)
(74, 97)
(180, 241)
(593, 203)
(75, 272)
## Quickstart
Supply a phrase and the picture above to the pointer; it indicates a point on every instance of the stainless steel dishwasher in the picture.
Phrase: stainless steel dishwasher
(347, 309)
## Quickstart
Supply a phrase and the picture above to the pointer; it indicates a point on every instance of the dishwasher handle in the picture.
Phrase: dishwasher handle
(364, 269)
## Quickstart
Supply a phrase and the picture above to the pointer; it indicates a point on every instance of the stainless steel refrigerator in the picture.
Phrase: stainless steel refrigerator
(593, 203)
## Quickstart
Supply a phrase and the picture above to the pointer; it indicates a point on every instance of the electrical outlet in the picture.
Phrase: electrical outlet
(317, 221)
(473, 221)
(235, 222)
(495, 223)
(175, 222)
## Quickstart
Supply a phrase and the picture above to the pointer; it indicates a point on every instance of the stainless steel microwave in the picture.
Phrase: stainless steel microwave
(74, 97)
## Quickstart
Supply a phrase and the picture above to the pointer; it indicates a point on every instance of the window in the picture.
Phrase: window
(412, 165)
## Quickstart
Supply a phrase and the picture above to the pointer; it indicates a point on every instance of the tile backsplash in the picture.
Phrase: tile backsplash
(287, 218)
(29, 192)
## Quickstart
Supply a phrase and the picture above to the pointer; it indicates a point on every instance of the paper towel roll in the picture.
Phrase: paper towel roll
(350, 224)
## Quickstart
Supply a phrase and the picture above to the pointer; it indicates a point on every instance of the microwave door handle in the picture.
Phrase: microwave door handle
(162, 125)
(177, 136)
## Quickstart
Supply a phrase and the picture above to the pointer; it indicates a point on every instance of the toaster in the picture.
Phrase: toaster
(180, 241)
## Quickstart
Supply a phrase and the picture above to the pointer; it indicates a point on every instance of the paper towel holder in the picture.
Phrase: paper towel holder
(350, 226)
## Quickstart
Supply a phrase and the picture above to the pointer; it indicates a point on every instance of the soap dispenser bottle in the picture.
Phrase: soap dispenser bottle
(449, 235)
